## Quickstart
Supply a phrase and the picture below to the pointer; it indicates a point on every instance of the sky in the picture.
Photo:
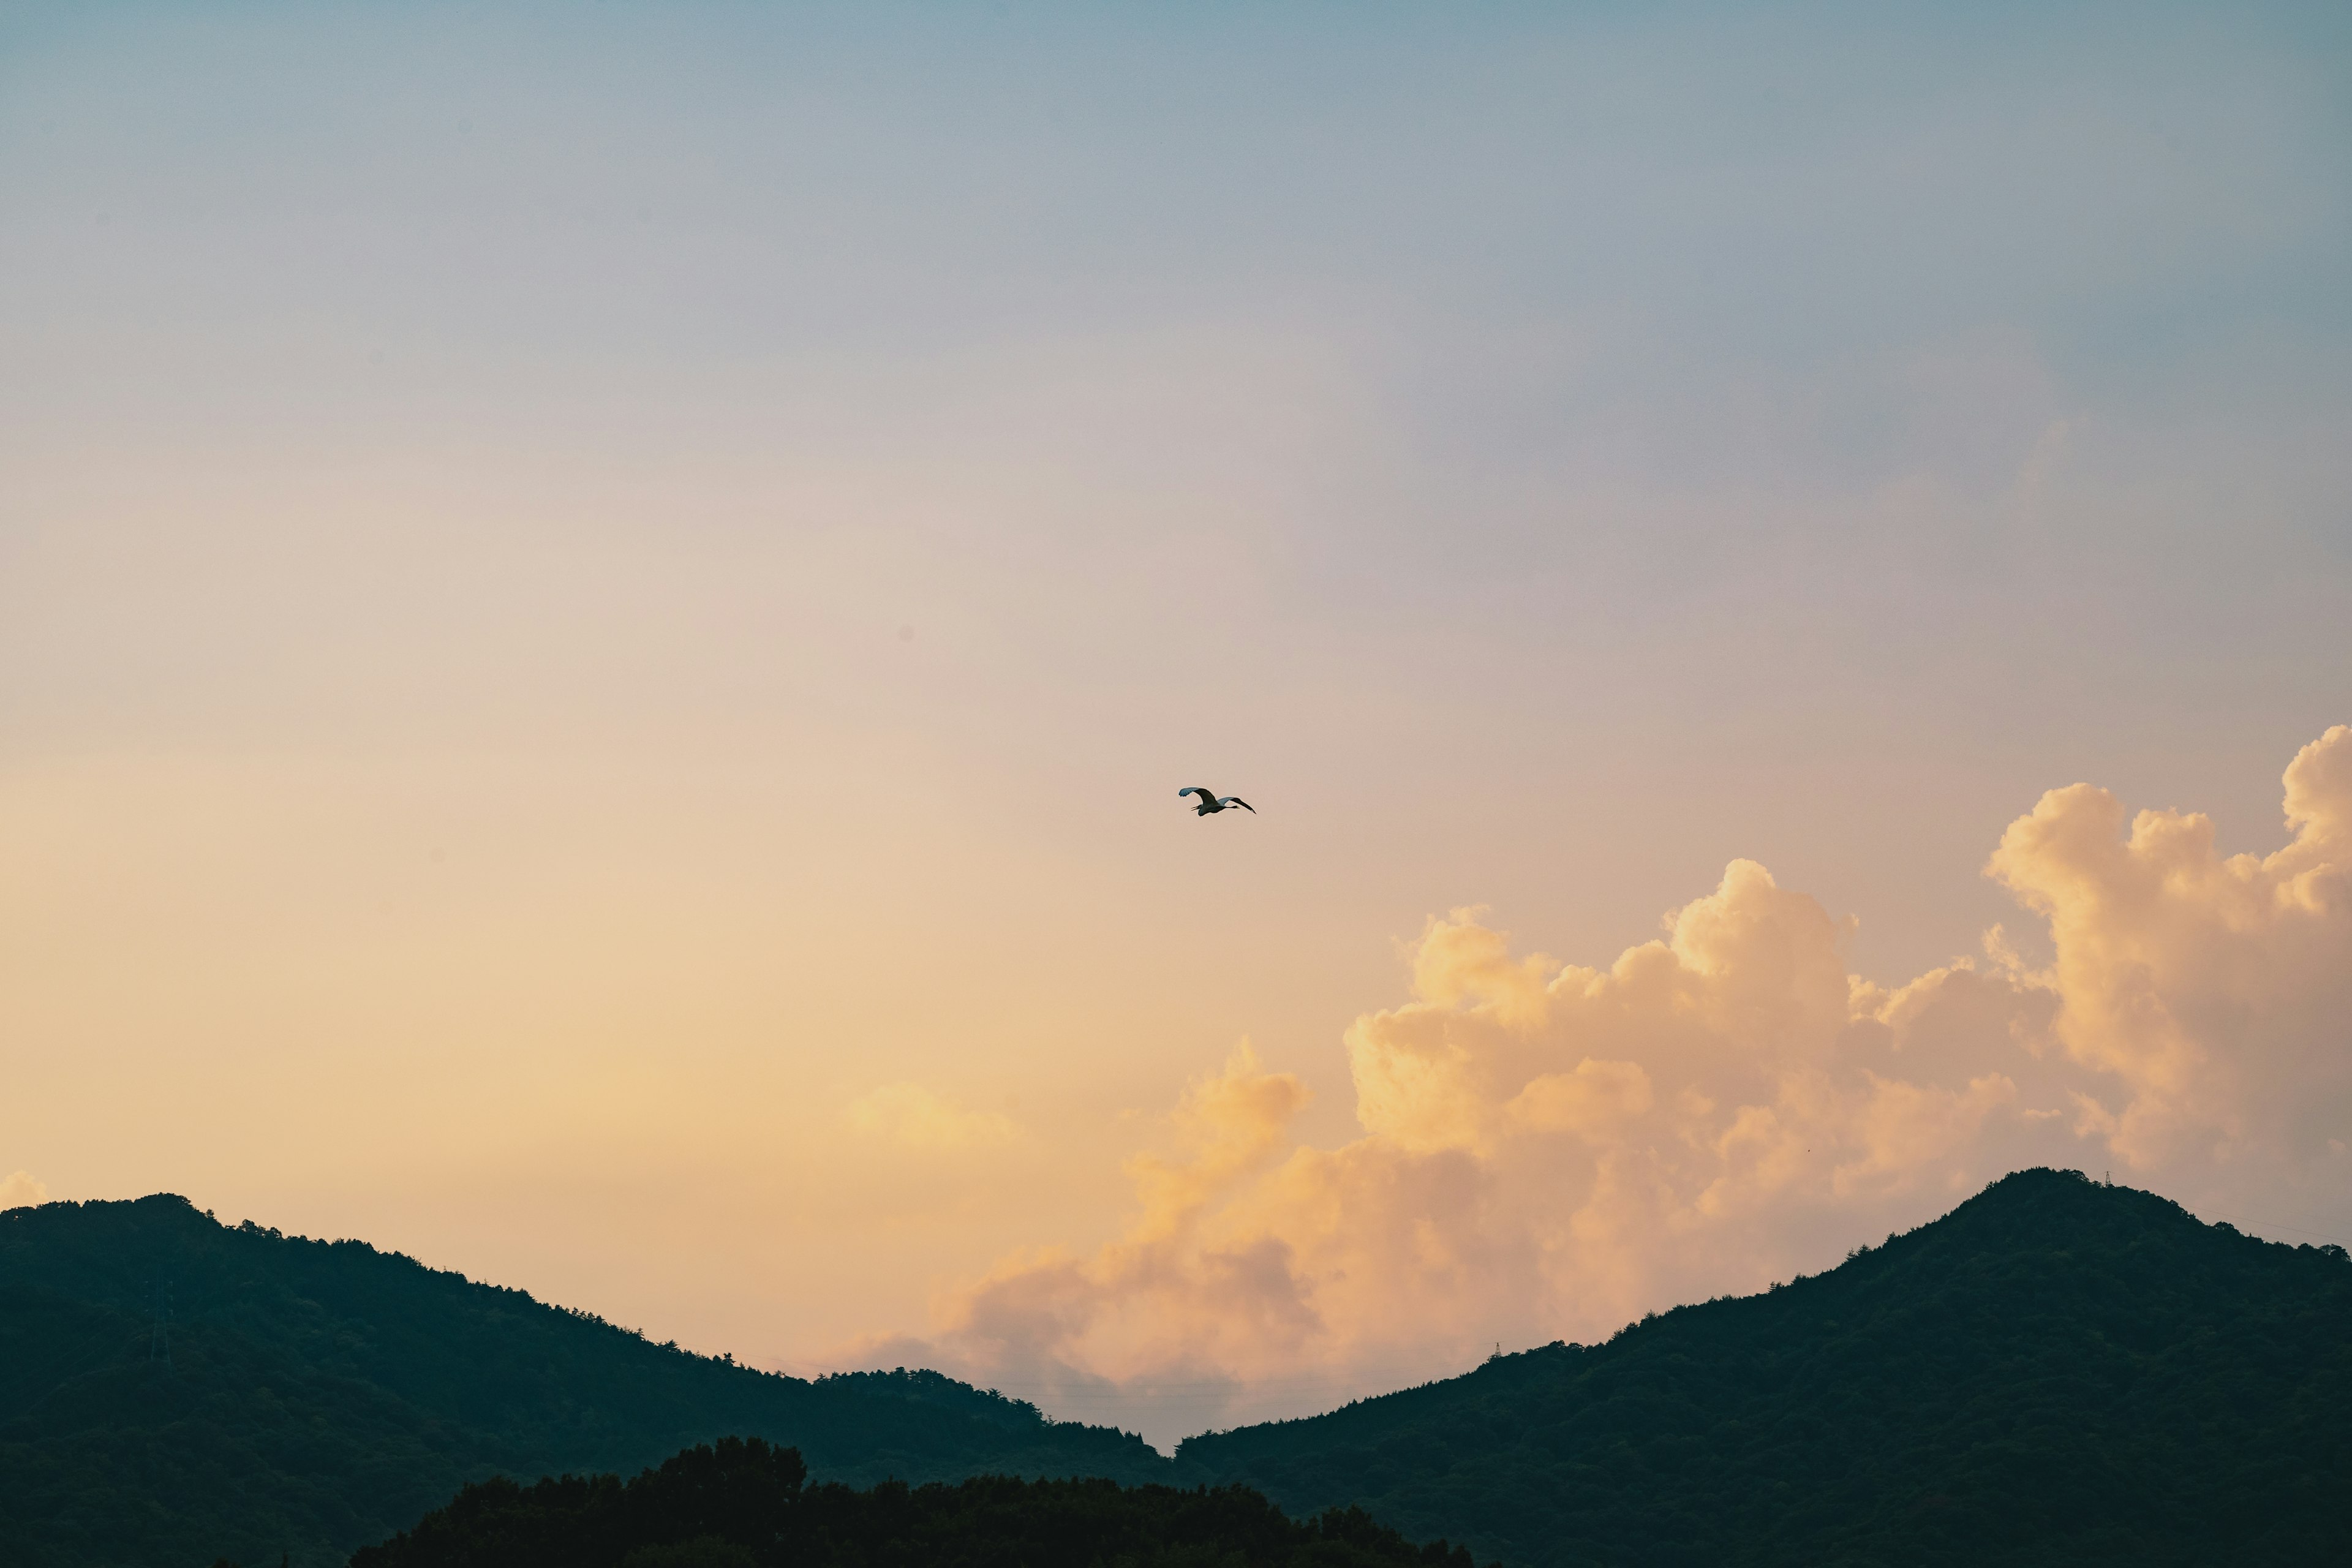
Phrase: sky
(602, 609)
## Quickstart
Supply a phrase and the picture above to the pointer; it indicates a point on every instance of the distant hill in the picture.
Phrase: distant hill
(742, 1505)
(2056, 1372)
(320, 1395)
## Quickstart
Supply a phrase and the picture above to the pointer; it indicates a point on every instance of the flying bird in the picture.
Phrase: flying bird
(1211, 802)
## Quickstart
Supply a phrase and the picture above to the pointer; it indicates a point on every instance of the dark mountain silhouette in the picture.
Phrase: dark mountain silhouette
(742, 1505)
(319, 1395)
(2058, 1371)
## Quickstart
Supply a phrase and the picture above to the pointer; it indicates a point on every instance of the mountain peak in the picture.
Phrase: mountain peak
(315, 1394)
(2057, 1371)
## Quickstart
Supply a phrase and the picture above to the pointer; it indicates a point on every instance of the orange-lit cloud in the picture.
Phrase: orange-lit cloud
(2207, 995)
(914, 1117)
(20, 1191)
(1549, 1148)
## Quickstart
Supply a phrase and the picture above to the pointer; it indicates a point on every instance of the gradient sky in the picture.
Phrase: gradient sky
(601, 608)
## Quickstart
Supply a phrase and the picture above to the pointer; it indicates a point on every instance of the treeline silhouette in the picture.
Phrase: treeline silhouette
(305, 1398)
(744, 1504)
(2058, 1371)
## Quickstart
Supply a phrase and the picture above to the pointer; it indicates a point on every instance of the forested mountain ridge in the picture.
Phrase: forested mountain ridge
(319, 1395)
(2057, 1371)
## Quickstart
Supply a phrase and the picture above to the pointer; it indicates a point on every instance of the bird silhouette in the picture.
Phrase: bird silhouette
(1212, 802)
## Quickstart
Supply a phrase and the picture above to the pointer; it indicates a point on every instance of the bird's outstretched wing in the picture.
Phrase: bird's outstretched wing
(1236, 800)
(1206, 795)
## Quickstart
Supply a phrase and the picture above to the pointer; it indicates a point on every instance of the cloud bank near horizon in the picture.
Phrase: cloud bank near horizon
(1547, 1149)
(21, 1189)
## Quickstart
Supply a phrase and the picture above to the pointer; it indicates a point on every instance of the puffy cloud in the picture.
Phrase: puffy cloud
(914, 1117)
(2209, 997)
(1595, 1101)
(1190, 1285)
(21, 1191)
(1547, 1149)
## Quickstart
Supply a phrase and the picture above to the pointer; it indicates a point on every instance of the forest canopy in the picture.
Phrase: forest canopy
(742, 1504)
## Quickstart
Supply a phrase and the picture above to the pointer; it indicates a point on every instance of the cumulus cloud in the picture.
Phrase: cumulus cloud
(21, 1191)
(914, 1117)
(2211, 997)
(1548, 1150)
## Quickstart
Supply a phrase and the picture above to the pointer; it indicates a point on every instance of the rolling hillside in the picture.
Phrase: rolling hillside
(323, 1395)
(2057, 1373)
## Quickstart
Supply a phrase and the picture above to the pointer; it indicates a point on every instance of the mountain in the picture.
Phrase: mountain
(2058, 1371)
(319, 1395)
(742, 1505)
